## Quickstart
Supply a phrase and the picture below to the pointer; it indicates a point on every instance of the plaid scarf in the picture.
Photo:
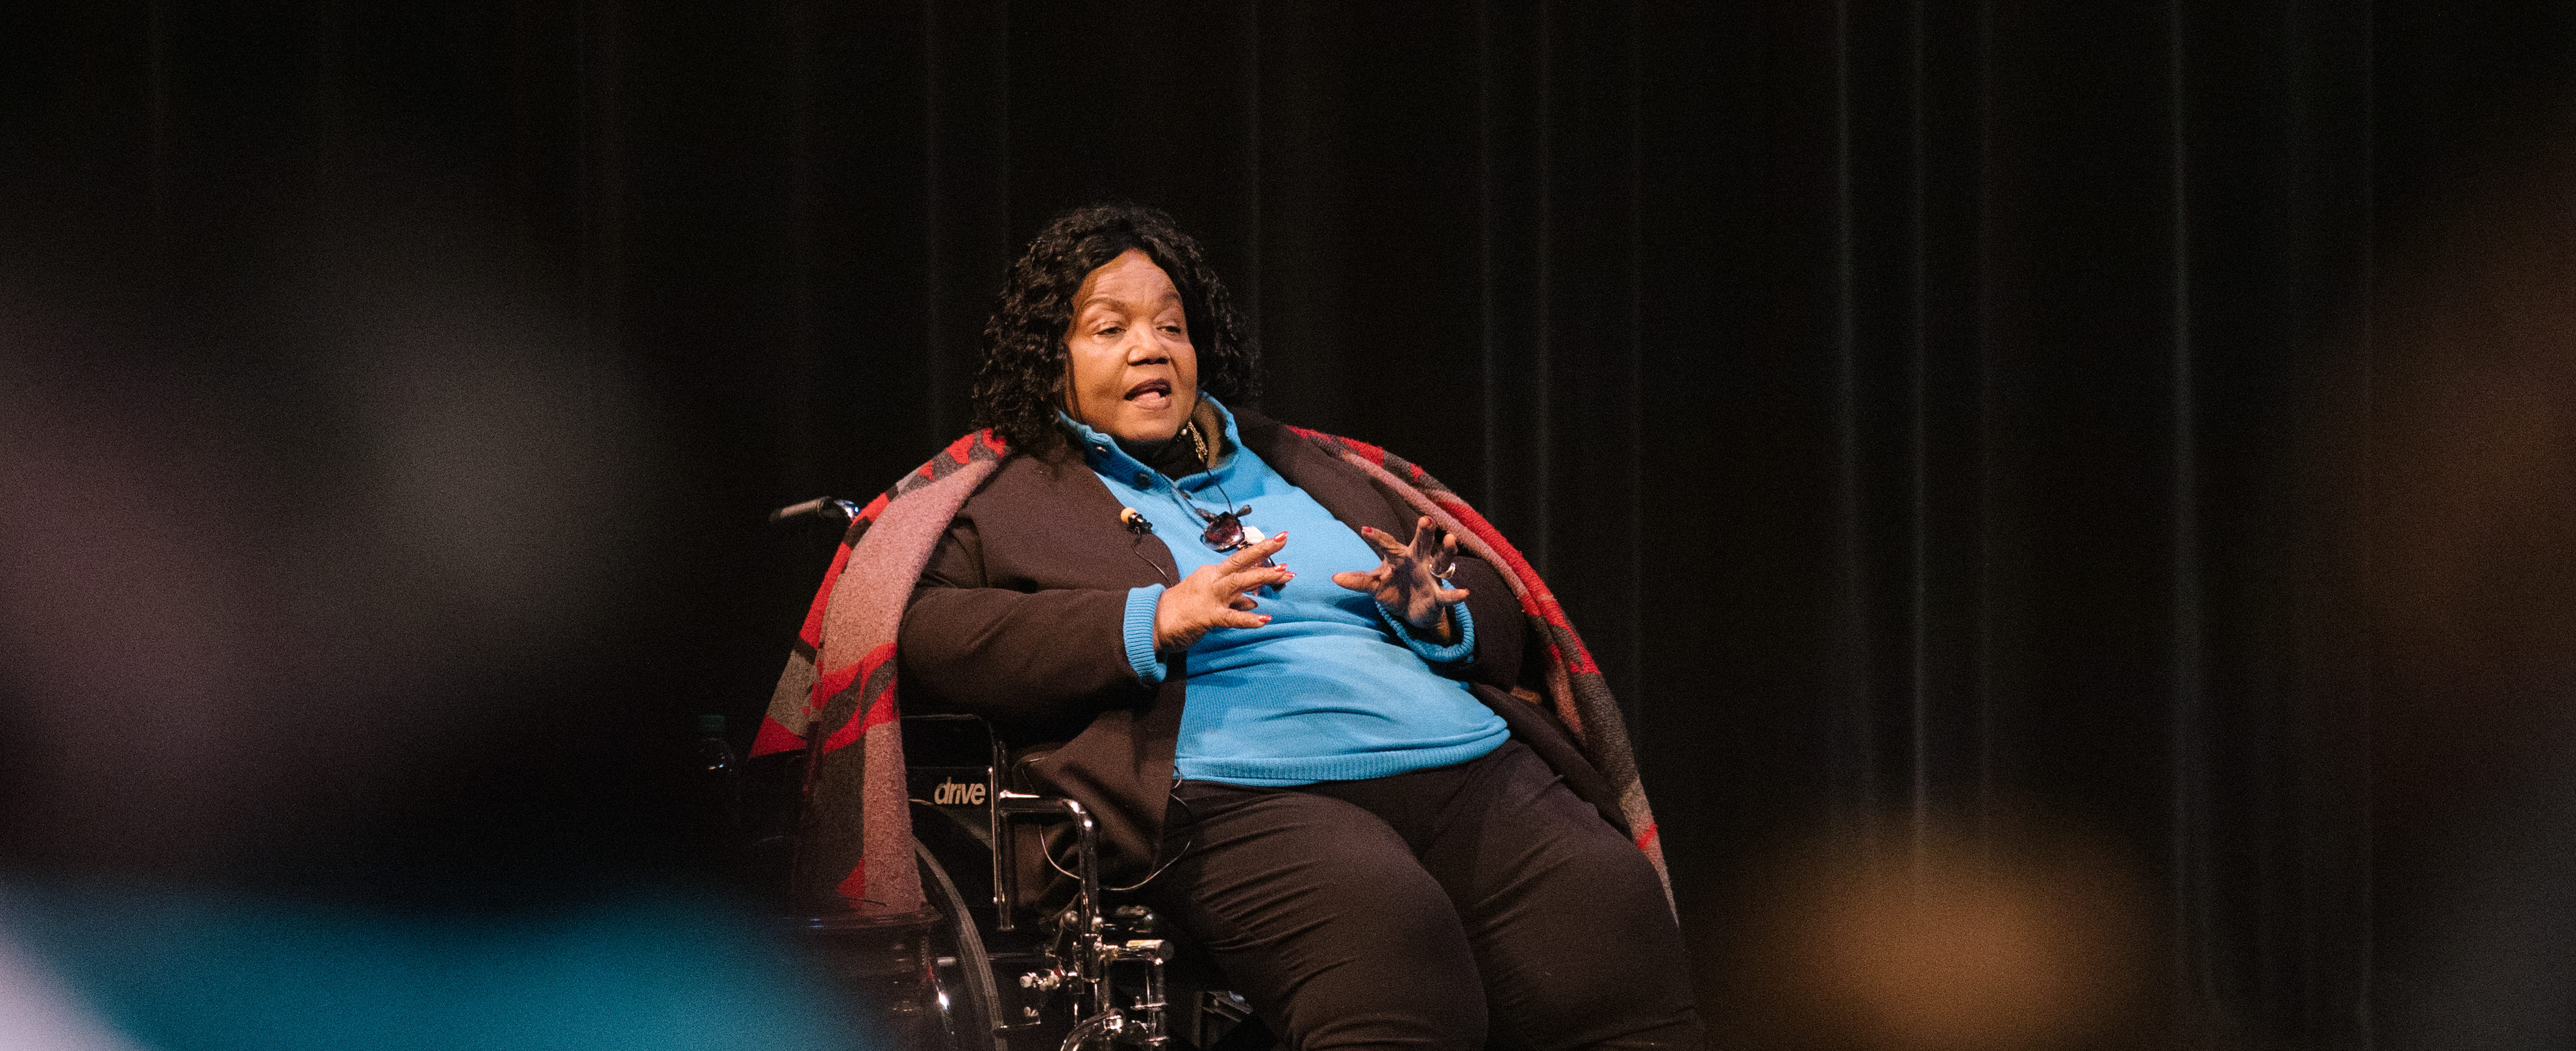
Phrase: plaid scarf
(854, 844)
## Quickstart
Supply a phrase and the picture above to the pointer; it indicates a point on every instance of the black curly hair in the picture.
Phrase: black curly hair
(1020, 384)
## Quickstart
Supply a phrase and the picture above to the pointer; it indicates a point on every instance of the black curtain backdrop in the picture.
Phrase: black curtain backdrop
(1943, 418)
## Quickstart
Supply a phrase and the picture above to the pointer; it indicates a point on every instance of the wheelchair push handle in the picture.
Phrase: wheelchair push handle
(822, 508)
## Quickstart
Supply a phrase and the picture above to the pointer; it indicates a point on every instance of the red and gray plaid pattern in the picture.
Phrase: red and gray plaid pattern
(854, 838)
(1575, 687)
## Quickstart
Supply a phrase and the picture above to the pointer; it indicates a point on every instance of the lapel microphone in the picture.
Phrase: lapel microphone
(1136, 523)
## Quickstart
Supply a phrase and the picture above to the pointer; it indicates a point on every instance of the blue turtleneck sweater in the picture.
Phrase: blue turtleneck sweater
(1334, 688)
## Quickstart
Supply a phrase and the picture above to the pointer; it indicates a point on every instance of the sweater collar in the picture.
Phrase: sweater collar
(1118, 459)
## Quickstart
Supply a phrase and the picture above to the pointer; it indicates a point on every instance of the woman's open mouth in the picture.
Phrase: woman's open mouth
(1151, 394)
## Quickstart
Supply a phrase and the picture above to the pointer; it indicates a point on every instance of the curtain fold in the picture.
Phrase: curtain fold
(1947, 420)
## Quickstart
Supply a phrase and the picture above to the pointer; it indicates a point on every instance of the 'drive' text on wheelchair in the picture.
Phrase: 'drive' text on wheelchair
(1138, 717)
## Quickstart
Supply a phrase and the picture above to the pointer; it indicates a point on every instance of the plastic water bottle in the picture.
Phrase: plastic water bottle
(719, 770)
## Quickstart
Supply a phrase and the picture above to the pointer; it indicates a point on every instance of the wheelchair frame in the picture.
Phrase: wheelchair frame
(1080, 951)
(1073, 961)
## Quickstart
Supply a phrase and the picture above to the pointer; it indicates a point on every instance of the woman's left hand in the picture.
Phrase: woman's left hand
(1408, 581)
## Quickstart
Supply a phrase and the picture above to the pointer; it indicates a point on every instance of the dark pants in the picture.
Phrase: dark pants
(1430, 910)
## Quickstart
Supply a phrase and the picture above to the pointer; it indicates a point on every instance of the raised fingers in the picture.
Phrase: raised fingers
(1445, 561)
(1387, 545)
(1251, 556)
(1436, 546)
(1427, 535)
(1247, 579)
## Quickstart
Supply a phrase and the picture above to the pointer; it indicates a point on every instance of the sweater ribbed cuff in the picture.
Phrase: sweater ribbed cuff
(1464, 648)
(1139, 633)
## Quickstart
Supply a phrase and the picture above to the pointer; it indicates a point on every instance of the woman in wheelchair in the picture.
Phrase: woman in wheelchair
(1285, 694)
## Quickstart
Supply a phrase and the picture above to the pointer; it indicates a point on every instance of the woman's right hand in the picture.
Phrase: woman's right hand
(1212, 596)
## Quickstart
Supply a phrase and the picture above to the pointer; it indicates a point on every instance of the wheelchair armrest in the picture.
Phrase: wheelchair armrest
(1086, 838)
(1007, 806)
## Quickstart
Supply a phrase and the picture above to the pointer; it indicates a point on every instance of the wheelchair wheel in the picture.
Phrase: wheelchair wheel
(969, 1001)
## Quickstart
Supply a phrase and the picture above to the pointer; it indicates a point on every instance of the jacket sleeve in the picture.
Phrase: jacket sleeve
(1036, 659)
(1500, 627)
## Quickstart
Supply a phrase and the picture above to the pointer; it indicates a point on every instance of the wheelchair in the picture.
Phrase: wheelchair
(1028, 950)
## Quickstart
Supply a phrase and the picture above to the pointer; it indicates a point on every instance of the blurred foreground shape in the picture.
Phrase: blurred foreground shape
(1921, 937)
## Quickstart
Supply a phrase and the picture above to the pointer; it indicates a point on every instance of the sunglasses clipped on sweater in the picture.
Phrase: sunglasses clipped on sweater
(1225, 530)
(1226, 533)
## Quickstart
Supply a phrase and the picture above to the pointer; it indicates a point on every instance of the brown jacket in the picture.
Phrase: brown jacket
(1018, 619)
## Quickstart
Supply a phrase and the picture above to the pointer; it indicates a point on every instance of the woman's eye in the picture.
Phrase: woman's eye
(1173, 329)
(1112, 330)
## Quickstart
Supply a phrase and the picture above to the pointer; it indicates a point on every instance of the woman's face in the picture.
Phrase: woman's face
(1132, 373)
